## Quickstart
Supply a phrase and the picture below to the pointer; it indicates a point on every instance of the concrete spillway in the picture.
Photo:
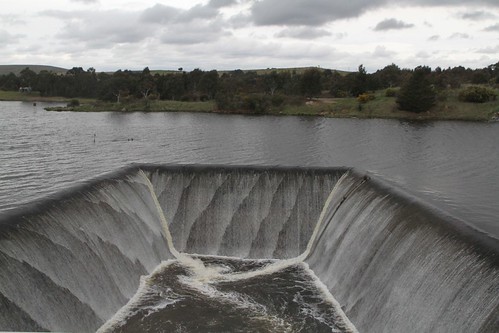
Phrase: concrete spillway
(70, 262)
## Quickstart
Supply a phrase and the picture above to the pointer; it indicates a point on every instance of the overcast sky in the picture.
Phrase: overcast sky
(246, 34)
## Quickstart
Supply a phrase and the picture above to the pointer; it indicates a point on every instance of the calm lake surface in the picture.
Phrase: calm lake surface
(452, 165)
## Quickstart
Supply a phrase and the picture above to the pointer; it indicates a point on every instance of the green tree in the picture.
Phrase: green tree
(390, 76)
(27, 77)
(146, 84)
(417, 95)
(208, 84)
(310, 84)
(338, 85)
(360, 82)
(9, 82)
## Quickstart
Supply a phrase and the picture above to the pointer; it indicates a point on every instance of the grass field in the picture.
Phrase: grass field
(386, 108)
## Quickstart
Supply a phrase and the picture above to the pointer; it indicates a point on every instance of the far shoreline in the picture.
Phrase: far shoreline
(380, 108)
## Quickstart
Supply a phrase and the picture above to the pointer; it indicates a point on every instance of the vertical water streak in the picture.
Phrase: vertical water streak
(196, 266)
(161, 215)
(320, 221)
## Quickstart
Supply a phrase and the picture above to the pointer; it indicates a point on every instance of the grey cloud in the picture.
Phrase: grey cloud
(492, 3)
(101, 29)
(319, 12)
(306, 12)
(489, 50)
(221, 3)
(159, 14)
(194, 33)
(166, 14)
(239, 21)
(86, 1)
(8, 38)
(492, 28)
(434, 38)
(477, 15)
(392, 24)
(303, 33)
(382, 52)
(198, 12)
(460, 35)
(422, 55)
(11, 19)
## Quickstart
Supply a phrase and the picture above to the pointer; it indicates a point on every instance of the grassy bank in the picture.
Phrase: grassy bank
(140, 106)
(447, 108)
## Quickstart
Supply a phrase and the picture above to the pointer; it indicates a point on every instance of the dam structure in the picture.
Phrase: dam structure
(171, 247)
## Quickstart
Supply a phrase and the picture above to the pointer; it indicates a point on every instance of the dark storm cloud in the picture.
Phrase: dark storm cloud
(303, 33)
(392, 24)
(319, 12)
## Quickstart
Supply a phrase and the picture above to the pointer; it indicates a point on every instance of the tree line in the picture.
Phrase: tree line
(245, 89)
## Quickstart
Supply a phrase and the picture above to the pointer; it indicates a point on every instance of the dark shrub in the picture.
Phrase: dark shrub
(73, 103)
(477, 94)
(257, 103)
(391, 92)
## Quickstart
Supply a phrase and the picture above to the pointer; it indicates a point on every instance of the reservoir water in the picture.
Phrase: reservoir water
(451, 165)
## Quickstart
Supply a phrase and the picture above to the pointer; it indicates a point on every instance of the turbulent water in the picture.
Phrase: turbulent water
(247, 248)
(173, 299)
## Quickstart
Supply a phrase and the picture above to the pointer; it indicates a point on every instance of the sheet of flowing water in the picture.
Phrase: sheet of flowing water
(222, 294)
(449, 164)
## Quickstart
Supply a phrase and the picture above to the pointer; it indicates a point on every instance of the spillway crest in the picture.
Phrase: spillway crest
(72, 261)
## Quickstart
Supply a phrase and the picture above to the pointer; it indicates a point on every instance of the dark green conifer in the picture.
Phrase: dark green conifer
(417, 95)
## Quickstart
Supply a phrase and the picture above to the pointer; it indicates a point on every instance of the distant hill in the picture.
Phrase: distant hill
(260, 71)
(16, 69)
